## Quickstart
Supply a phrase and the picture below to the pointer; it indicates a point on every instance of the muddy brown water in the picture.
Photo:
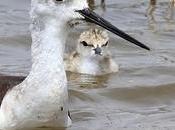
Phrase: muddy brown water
(140, 96)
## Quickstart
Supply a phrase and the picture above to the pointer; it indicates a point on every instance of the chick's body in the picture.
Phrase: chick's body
(92, 55)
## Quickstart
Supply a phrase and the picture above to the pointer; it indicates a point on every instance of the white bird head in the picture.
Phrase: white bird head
(66, 10)
(93, 43)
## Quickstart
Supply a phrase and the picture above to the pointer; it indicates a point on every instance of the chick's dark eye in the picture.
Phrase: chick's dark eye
(58, 1)
(106, 43)
(84, 43)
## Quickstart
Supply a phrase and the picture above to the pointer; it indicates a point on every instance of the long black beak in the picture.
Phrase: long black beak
(92, 17)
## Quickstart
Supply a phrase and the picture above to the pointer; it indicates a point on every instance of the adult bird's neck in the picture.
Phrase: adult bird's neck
(49, 38)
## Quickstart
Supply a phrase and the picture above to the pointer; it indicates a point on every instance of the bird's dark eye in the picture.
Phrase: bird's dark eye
(106, 43)
(84, 43)
(57, 1)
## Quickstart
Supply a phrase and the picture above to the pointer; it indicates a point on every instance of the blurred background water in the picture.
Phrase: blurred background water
(140, 96)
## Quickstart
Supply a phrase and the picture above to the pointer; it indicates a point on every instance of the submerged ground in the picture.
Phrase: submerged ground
(140, 96)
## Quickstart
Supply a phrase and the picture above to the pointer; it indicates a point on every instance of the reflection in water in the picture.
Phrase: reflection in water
(152, 22)
(150, 14)
(92, 4)
(84, 81)
(103, 4)
(171, 8)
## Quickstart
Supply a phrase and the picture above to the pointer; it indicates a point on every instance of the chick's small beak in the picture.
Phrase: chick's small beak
(98, 51)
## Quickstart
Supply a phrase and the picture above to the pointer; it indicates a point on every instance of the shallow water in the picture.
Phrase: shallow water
(140, 96)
